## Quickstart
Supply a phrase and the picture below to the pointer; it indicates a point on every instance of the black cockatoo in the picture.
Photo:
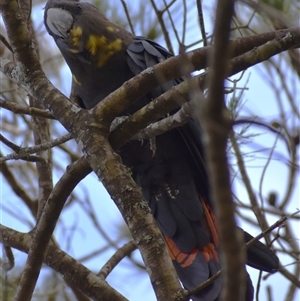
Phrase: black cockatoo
(102, 56)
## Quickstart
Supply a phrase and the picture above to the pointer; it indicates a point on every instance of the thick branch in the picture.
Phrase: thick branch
(130, 201)
(176, 96)
(122, 98)
(107, 165)
(72, 271)
(217, 126)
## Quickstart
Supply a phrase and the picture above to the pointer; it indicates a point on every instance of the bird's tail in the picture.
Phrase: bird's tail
(196, 267)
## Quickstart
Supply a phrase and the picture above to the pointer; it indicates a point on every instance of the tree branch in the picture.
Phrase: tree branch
(21, 152)
(90, 129)
(173, 98)
(17, 109)
(72, 271)
(121, 253)
(18, 189)
(216, 125)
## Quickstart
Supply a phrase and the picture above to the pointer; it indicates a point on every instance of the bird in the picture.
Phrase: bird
(102, 56)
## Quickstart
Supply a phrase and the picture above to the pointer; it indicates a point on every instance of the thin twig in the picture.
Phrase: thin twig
(9, 263)
(128, 16)
(18, 189)
(205, 283)
(279, 223)
(246, 180)
(201, 22)
(159, 15)
(6, 43)
(21, 152)
(120, 254)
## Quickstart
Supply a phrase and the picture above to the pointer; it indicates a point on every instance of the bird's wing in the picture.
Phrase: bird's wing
(175, 185)
(180, 202)
(144, 53)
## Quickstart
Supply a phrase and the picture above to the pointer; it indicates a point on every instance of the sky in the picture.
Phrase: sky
(77, 233)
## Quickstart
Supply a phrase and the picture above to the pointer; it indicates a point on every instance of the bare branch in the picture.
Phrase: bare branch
(17, 109)
(115, 259)
(217, 126)
(23, 152)
(201, 22)
(18, 189)
(61, 262)
(9, 260)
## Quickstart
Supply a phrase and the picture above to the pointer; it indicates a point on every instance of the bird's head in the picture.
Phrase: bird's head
(60, 16)
(81, 29)
(93, 47)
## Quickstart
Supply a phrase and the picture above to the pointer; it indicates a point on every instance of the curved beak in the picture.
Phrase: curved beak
(59, 22)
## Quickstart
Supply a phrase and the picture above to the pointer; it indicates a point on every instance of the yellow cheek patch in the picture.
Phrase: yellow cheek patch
(98, 45)
(95, 43)
(116, 45)
(112, 29)
(109, 50)
(76, 34)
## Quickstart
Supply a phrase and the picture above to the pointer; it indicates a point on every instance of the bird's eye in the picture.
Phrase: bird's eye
(78, 7)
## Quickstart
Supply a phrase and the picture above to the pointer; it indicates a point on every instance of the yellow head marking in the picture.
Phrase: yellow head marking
(116, 45)
(102, 48)
(109, 50)
(112, 29)
(95, 43)
(76, 34)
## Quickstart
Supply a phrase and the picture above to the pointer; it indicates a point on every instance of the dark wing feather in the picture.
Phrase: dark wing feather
(144, 53)
(172, 185)
(179, 193)
(261, 257)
